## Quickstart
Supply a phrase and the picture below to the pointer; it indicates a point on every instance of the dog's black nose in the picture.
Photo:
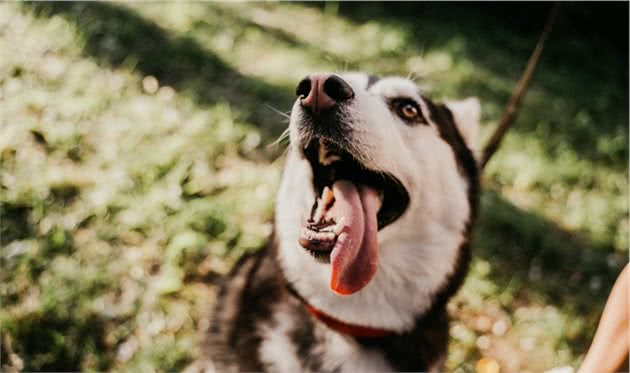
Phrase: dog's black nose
(323, 91)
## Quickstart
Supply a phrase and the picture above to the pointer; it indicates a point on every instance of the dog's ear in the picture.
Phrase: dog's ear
(467, 113)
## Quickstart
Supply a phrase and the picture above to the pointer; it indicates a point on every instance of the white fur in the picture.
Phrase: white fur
(338, 353)
(345, 353)
(418, 251)
(467, 114)
(277, 351)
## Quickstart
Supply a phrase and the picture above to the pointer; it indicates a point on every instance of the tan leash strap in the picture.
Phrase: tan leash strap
(511, 110)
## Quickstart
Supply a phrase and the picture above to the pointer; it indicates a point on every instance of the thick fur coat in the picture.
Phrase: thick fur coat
(262, 321)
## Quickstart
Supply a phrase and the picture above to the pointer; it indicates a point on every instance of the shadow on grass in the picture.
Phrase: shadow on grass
(579, 93)
(41, 339)
(117, 36)
(537, 260)
(278, 34)
(17, 226)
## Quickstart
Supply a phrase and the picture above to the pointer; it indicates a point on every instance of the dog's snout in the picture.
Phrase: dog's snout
(322, 91)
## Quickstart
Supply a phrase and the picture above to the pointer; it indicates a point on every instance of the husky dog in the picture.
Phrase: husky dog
(372, 228)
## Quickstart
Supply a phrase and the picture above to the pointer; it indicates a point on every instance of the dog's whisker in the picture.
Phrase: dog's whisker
(284, 135)
(279, 112)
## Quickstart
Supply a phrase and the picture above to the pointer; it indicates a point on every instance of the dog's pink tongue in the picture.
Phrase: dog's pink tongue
(354, 258)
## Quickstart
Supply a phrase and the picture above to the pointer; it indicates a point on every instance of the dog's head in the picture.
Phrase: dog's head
(377, 196)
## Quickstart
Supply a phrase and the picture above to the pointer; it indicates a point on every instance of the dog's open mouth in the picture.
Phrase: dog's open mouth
(351, 205)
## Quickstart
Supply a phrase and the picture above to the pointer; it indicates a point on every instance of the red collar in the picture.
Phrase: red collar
(346, 328)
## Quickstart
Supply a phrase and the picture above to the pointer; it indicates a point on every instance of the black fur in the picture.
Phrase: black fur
(443, 117)
(419, 349)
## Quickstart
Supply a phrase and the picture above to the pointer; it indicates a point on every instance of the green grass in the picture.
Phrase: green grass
(136, 167)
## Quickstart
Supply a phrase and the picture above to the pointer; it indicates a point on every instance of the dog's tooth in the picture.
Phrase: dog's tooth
(322, 204)
(311, 235)
(319, 212)
(326, 236)
(331, 227)
(327, 196)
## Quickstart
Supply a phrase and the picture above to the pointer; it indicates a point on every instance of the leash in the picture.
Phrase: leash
(511, 110)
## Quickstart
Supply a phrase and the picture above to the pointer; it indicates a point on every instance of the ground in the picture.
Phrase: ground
(138, 163)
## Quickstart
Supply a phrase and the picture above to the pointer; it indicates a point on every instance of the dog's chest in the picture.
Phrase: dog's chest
(290, 344)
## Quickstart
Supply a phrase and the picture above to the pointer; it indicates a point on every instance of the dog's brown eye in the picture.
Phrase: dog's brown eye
(409, 111)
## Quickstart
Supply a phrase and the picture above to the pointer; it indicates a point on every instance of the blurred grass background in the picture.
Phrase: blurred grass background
(136, 166)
